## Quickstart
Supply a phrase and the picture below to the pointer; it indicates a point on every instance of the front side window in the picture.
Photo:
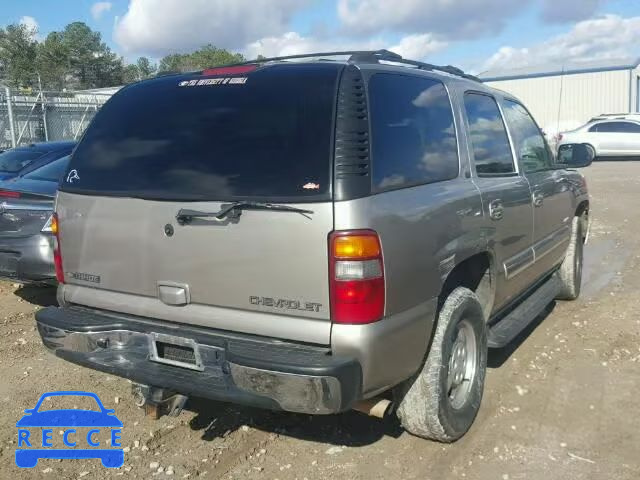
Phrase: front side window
(413, 133)
(489, 139)
(530, 145)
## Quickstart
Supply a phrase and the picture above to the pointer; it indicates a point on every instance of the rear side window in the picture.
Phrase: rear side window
(489, 140)
(15, 160)
(413, 134)
(264, 135)
(530, 145)
(616, 127)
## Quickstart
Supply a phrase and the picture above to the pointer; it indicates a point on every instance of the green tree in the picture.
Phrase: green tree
(131, 73)
(77, 58)
(18, 50)
(146, 69)
(52, 61)
(205, 57)
(143, 68)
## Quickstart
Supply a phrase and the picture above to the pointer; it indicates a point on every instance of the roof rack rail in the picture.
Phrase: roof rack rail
(616, 114)
(371, 56)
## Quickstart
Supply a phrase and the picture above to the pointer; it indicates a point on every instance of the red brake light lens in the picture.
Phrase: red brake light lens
(356, 277)
(233, 70)
(9, 194)
(57, 256)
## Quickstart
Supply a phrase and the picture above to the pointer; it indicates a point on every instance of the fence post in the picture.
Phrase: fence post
(7, 91)
(43, 106)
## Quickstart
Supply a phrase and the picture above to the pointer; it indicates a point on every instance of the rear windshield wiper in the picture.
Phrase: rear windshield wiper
(234, 210)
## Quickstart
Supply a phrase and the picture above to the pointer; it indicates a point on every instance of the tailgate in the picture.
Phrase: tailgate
(266, 273)
(199, 141)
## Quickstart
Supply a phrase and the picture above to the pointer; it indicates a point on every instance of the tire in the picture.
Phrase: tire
(570, 272)
(426, 409)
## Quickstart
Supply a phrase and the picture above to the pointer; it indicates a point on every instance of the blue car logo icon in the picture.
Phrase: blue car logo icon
(77, 429)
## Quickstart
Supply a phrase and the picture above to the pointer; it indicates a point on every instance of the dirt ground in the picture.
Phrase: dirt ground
(560, 403)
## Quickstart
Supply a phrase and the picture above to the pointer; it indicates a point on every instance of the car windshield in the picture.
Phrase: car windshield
(267, 135)
(13, 161)
(51, 172)
(69, 402)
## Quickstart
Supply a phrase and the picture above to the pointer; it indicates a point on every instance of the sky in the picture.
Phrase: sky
(477, 35)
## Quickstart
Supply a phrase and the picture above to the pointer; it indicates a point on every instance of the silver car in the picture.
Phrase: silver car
(313, 236)
(609, 135)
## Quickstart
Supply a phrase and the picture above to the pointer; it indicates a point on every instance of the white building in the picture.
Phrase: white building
(564, 97)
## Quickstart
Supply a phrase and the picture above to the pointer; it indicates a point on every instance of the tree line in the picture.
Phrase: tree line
(76, 58)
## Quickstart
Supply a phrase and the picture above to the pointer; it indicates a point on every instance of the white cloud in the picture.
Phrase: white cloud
(31, 24)
(291, 43)
(159, 27)
(98, 8)
(418, 46)
(607, 37)
(450, 18)
(555, 11)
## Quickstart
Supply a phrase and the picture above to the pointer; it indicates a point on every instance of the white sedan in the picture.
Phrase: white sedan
(609, 137)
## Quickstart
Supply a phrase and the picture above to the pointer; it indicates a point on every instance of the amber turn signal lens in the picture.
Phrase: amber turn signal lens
(54, 224)
(356, 246)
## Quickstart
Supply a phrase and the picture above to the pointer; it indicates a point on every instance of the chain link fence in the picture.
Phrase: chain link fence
(46, 116)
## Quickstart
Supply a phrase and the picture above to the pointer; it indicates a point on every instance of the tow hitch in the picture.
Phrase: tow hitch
(158, 401)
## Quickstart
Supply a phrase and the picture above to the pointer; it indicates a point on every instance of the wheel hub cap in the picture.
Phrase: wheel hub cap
(462, 364)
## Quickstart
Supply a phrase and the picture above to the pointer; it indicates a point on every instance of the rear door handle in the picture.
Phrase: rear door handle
(538, 198)
(496, 210)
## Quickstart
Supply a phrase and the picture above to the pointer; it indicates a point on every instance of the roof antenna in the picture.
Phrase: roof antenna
(560, 102)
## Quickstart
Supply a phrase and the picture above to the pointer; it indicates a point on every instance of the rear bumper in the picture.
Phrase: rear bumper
(230, 367)
(27, 259)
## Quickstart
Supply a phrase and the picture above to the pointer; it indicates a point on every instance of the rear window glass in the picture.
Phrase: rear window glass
(414, 138)
(15, 160)
(51, 172)
(269, 135)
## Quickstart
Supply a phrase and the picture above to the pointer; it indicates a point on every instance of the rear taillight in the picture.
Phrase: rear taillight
(356, 277)
(9, 194)
(559, 136)
(57, 256)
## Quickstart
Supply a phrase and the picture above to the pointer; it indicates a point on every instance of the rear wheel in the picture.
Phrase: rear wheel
(442, 401)
(570, 272)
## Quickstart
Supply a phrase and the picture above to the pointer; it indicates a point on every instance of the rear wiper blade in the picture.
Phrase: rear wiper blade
(234, 210)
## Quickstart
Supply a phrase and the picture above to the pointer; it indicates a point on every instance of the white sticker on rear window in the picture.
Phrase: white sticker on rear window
(214, 81)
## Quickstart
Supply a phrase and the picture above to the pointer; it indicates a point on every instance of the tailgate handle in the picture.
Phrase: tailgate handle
(176, 294)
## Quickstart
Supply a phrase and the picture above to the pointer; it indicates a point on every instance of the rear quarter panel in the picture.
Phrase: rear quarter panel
(424, 231)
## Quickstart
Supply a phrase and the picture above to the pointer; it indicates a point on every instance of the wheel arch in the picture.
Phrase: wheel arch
(477, 272)
(582, 211)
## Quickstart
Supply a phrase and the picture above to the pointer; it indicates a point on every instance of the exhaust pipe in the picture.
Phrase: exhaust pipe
(374, 407)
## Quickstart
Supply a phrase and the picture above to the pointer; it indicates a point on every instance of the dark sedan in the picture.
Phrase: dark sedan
(24, 159)
(26, 241)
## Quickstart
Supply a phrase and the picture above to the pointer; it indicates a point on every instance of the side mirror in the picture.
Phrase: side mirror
(576, 155)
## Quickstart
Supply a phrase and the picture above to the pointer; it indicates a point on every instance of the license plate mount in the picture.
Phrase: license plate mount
(175, 351)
